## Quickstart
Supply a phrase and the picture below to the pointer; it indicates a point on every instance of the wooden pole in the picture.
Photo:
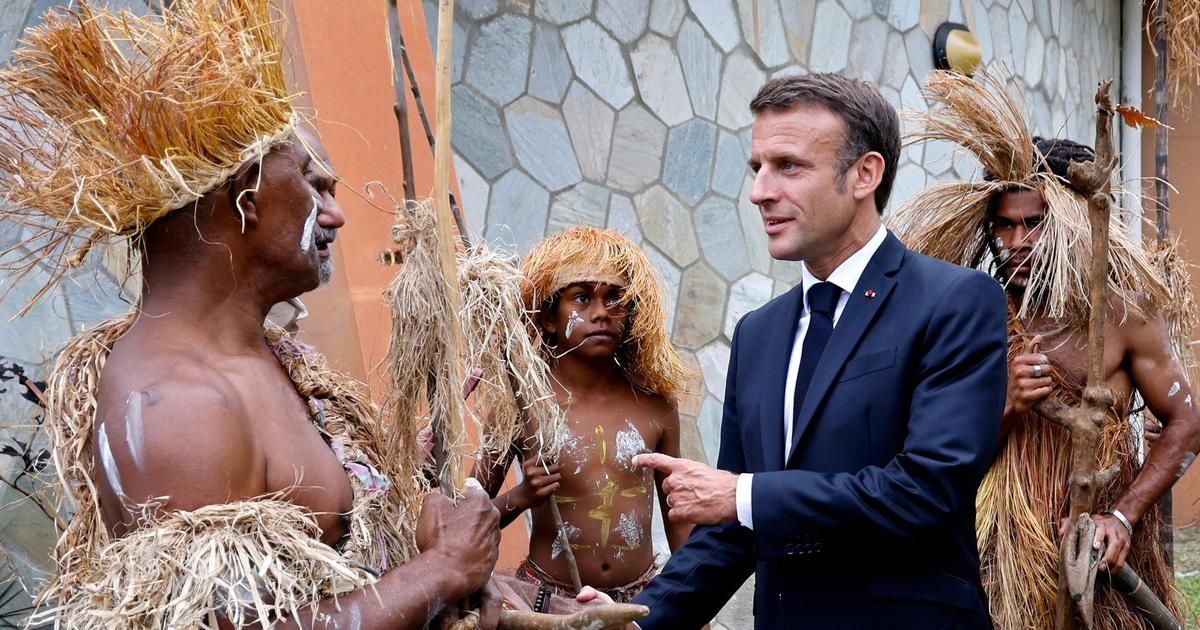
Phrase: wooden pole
(400, 107)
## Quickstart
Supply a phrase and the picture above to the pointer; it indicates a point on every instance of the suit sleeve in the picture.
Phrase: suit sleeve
(953, 425)
(716, 559)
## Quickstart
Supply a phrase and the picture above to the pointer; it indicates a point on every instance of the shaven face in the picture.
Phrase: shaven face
(1016, 229)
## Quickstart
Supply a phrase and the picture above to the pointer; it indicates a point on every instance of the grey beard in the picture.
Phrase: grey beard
(325, 270)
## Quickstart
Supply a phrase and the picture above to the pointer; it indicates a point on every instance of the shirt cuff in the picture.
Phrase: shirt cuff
(744, 514)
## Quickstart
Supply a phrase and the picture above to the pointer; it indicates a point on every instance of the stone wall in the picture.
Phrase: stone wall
(632, 114)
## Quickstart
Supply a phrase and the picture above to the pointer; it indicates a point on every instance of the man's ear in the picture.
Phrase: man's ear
(868, 172)
(243, 191)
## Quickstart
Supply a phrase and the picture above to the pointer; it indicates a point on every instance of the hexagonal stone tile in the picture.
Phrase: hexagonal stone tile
(590, 122)
(701, 308)
(477, 134)
(895, 64)
(473, 190)
(701, 62)
(540, 140)
(636, 149)
(920, 53)
(746, 295)
(667, 224)
(688, 162)
(762, 28)
(798, 18)
(92, 297)
(1050, 68)
(730, 167)
(708, 423)
(500, 58)
(933, 13)
(660, 79)
(830, 34)
(865, 61)
(752, 230)
(1035, 59)
(549, 68)
(624, 219)
(561, 11)
(939, 156)
(625, 19)
(1018, 31)
(719, 20)
(458, 45)
(903, 15)
(477, 9)
(911, 96)
(787, 271)
(689, 402)
(666, 16)
(690, 445)
(517, 212)
(721, 239)
(980, 27)
(742, 80)
(669, 275)
(585, 204)
(34, 338)
(998, 21)
(910, 179)
(598, 62)
(780, 288)
(714, 364)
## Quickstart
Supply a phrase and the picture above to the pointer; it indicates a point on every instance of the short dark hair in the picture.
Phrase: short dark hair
(1056, 157)
(871, 122)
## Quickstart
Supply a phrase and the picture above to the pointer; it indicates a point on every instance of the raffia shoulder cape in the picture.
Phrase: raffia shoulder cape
(250, 560)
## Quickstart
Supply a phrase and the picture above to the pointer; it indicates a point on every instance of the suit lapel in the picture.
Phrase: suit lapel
(777, 355)
(860, 311)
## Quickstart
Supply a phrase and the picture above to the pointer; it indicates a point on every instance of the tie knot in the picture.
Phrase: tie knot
(823, 297)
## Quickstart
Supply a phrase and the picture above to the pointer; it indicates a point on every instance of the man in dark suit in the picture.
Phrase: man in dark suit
(862, 407)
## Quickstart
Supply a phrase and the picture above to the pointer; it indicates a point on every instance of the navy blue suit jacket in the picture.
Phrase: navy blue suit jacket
(871, 521)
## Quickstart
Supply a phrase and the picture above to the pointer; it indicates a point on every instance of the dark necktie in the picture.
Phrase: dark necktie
(822, 300)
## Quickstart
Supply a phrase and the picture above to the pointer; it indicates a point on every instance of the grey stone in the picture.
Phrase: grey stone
(1035, 59)
(730, 167)
(458, 47)
(718, 18)
(500, 58)
(701, 308)
(752, 230)
(1027, 8)
(690, 445)
(34, 338)
(598, 62)
(1018, 32)
(520, 7)
(895, 65)
(689, 158)
(866, 62)
(668, 225)
(746, 295)
(911, 97)
(590, 122)
(998, 20)
(741, 82)
(798, 18)
(585, 204)
(12, 23)
(708, 423)
(910, 179)
(540, 140)
(477, 134)
(933, 14)
(903, 14)
(939, 156)
(670, 276)
(966, 165)
(714, 365)
(981, 28)
(920, 53)
(517, 212)
(780, 288)
(473, 196)
(858, 9)
(788, 271)
(562, 11)
(660, 80)
(666, 16)
(1056, 10)
(1041, 12)
(637, 149)
(477, 10)
(701, 62)
(762, 28)
(831, 34)
(623, 218)
(721, 238)
(625, 19)
(549, 68)
(91, 297)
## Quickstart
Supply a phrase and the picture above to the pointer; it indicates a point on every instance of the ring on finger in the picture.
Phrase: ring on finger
(669, 503)
(1037, 371)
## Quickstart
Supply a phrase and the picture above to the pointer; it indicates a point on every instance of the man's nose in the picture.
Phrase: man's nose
(331, 214)
(763, 190)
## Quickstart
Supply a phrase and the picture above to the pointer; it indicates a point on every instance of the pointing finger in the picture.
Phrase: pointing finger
(657, 461)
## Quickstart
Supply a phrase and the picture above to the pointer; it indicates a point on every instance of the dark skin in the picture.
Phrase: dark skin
(1137, 355)
(604, 500)
(193, 405)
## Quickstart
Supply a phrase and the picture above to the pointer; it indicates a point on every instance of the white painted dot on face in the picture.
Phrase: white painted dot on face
(306, 238)
(573, 321)
(1174, 389)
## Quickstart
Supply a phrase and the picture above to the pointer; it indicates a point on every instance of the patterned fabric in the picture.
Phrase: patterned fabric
(530, 572)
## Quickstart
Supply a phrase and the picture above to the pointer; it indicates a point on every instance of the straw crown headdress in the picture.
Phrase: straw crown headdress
(108, 121)
(587, 254)
(950, 220)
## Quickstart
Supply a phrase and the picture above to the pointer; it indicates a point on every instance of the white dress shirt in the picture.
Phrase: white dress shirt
(846, 278)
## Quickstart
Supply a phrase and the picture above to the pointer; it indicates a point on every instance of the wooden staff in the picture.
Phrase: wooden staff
(400, 107)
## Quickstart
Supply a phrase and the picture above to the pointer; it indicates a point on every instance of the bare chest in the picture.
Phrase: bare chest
(1067, 350)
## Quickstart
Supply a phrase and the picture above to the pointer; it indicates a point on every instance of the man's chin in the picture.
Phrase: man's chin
(325, 271)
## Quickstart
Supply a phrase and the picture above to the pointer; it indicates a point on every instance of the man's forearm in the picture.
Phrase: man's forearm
(1165, 464)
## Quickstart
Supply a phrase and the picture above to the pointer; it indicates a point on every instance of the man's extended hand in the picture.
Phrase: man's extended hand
(696, 493)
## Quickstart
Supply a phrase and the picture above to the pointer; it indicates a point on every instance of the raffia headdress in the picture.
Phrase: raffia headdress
(950, 220)
(587, 254)
(108, 121)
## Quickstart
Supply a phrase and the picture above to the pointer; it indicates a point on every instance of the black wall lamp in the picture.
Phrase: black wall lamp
(955, 48)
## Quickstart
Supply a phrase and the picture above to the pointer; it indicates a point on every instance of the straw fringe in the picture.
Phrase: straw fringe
(179, 567)
(1183, 48)
(588, 254)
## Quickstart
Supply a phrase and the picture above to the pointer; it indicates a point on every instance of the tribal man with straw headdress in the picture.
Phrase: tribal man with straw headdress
(601, 319)
(1026, 222)
(220, 474)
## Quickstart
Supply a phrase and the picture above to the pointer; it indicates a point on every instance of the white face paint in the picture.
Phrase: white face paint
(1188, 401)
(134, 441)
(109, 463)
(573, 321)
(306, 238)
(1174, 389)
(629, 443)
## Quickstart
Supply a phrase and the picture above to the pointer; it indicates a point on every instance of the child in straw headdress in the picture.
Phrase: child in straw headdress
(602, 325)
(1026, 222)
(220, 474)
